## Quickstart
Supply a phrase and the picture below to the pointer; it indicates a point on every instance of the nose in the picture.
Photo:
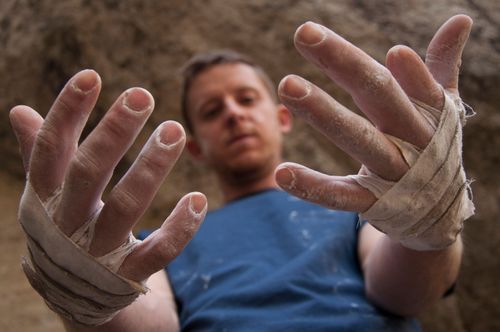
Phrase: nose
(234, 112)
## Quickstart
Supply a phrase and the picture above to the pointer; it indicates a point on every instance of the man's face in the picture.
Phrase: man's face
(237, 126)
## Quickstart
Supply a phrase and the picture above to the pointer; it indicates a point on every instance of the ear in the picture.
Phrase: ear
(284, 118)
(194, 148)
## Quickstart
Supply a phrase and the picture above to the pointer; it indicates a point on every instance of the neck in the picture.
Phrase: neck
(242, 186)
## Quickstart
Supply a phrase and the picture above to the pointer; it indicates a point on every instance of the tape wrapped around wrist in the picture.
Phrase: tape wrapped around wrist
(73, 283)
(426, 208)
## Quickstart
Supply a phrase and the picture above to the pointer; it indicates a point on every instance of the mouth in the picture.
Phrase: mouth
(239, 138)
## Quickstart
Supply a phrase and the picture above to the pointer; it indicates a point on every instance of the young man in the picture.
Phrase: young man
(265, 261)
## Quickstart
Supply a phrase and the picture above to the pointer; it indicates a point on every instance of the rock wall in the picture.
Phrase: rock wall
(143, 43)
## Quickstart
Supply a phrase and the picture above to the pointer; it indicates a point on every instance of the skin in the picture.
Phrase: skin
(238, 128)
(400, 280)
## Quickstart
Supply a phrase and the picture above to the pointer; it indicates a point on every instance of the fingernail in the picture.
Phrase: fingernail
(138, 100)
(285, 178)
(197, 203)
(170, 134)
(85, 81)
(294, 87)
(310, 34)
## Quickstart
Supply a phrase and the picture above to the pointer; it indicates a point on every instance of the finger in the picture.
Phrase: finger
(161, 247)
(132, 195)
(26, 123)
(94, 162)
(349, 131)
(334, 192)
(58, 137)
(444, 53)
(413, 76)
(370, 84)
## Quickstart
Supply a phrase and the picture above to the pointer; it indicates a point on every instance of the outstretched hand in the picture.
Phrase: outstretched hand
(382, 94)
(55, 162)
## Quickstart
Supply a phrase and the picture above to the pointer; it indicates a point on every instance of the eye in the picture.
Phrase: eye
(247, 99)
(210, 111)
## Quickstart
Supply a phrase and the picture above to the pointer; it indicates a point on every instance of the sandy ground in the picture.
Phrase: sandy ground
(21, 309)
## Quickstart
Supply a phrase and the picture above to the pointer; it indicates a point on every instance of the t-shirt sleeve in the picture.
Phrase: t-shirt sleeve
(143, 234)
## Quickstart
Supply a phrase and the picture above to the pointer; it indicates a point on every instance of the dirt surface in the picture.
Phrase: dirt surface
(144, 43)
(20, 308)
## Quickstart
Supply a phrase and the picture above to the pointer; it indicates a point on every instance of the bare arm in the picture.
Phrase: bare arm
(155, 311)
(402, 280)
(399, 279)
(405, 281)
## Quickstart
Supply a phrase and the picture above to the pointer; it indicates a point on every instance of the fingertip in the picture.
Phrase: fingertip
(197, 203)
(285, 177)
(455, 30)
(463, 18)
(138, 100)
(24, 118)
(17, 111)
(25, 123)
(402, 54)
(400, 51)
(170, 133)
(85, 81)
(310, 34)
(294, 87)
(14, 115)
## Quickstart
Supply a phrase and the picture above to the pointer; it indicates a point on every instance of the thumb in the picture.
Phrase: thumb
(167, 242)
(444, 53)
(334, 192)
(25, 124)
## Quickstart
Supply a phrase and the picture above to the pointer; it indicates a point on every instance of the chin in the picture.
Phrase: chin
(245, 166)
(249, 169)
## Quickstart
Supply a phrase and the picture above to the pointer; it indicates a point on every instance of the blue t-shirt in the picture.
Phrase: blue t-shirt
(273, 262)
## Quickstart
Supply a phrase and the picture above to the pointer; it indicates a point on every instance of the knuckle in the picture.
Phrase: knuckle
(327, 57)
(437, 98)
(176, 238)
(339, 201)
(47, 140)
(48, 144)
(124, 204)
(343, 54)
(378, 79)
(65, 102)
(166, 250)
(436, 58)
(331, 195)
(328, 194)
(115, 128)
(68, 101)
(85, 165)
(153, 164)
(26, 140)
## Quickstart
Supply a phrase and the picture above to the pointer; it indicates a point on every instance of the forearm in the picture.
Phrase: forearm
(404, 281)
(154, 311)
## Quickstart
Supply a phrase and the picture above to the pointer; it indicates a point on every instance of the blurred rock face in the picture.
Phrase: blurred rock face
(144, 43)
